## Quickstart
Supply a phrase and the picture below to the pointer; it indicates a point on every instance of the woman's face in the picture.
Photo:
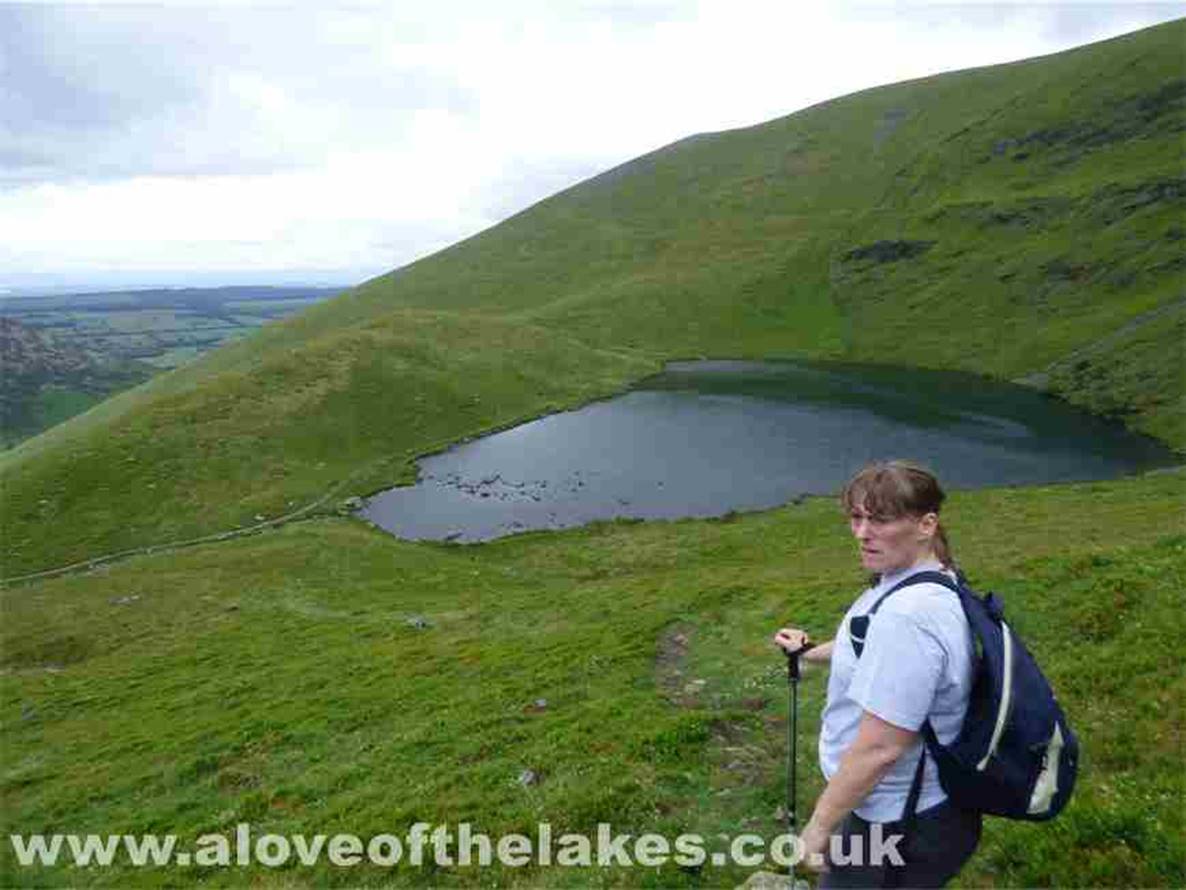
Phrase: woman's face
(890, 544)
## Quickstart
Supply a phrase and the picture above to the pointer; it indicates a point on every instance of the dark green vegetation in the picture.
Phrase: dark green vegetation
(61, 354)
(1023, 221)
(44, 380)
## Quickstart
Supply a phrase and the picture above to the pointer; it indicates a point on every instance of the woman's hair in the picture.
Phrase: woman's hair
(895, 488)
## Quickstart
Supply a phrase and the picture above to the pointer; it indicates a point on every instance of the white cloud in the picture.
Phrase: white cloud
(221, 137)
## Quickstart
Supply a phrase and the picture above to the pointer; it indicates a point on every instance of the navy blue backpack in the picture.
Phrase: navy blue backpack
(1015, 755)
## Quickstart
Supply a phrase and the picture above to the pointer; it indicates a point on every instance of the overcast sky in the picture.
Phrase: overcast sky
(221, 143)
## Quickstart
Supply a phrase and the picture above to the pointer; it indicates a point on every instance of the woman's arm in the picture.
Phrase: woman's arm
(821, 654)
(876, 748)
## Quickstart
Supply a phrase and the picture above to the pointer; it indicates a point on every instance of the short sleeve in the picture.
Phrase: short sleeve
(899, 670)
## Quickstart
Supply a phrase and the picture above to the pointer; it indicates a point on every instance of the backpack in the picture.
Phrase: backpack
(1015, 754)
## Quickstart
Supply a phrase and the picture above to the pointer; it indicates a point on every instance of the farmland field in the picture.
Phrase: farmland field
(62, 354)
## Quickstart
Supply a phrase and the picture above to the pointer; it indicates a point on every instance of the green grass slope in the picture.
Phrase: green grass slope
(276, 681)
(1023, 221)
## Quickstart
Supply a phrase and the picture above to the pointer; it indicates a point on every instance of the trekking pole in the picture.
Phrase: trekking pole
(792, 739)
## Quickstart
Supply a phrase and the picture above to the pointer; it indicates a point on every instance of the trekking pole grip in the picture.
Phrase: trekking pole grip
(793, 661)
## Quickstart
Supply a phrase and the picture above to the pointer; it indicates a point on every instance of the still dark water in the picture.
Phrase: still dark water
(707, 437)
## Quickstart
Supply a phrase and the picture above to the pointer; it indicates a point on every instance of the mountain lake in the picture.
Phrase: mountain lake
(704, 438)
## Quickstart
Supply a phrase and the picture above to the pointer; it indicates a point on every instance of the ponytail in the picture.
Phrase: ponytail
(942, 548)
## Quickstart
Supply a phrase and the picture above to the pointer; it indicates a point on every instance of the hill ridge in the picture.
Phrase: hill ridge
(1035, 184)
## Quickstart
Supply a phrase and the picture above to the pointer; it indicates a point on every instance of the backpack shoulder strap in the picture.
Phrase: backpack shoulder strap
(859, 624)
(929, 743)
(910, 810)
(917, 578)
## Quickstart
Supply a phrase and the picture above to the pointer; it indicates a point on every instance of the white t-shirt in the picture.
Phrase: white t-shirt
(916, 664)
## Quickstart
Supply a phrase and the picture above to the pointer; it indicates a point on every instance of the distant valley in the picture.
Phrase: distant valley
(60, 354)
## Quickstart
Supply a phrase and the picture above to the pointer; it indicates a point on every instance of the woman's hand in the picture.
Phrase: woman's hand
(791, 639)
(815, 847)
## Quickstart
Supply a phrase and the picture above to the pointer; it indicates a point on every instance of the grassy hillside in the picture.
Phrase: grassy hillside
(1023, 221)
(277, 681)
(344, 414)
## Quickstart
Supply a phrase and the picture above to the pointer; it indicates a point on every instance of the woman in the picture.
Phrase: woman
(914, 663)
